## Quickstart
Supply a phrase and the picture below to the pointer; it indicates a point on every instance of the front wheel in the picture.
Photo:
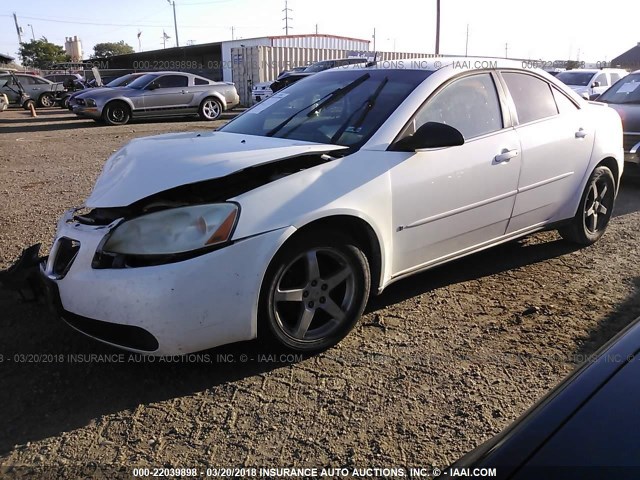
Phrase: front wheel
(116, 113)
(210, 109)
(315, 291)
(594, 212)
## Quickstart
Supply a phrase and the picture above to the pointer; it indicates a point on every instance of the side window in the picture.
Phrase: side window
(469, 104)
(39, 81)
(4, 80)
(614, 77)
(201, 81)
(532, 96)
(602, 78)
(564, 104)
(25, 80)
(172, 81)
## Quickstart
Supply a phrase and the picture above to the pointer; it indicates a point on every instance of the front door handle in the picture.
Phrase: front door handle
(185, 91)
(581, 133)
(506, 155)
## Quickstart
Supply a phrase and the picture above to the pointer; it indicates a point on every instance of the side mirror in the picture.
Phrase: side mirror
(595, 96)
(430, 135)
(595, 84)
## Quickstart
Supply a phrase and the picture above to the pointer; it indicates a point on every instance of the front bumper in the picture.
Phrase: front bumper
(170, 309)
(87, 112)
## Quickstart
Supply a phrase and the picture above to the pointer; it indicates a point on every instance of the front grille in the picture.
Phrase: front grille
(629, 141)
(65, 255)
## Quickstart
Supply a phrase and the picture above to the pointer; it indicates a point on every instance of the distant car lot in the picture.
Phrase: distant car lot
(158, 94)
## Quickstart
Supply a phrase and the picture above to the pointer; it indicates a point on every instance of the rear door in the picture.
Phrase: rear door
(167, 95)
(557, 140)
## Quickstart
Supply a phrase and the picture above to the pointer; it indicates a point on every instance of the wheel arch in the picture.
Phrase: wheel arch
(217, 95)
(124, 100)
(365, 235)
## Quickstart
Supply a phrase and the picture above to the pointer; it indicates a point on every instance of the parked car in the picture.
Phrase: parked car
(585, 428)
(160, 94)
(39, 89)
(280, 223)
(287, 78)
(260, 91)
(69, 100)
(64, 78)
(624, 97)
(588, 82)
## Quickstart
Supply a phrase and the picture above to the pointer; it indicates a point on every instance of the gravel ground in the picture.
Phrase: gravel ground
(439, 363)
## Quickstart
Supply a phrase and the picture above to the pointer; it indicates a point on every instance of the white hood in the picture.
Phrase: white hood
(153, 164)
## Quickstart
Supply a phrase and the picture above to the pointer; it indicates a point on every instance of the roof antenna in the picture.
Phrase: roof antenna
(373, 62)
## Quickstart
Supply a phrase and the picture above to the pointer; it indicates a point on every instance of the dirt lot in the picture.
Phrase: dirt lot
(440, 362)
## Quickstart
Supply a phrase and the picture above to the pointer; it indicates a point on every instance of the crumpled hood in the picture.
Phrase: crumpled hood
(150, 165)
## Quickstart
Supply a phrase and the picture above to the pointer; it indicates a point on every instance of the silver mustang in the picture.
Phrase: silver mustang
(158, 94)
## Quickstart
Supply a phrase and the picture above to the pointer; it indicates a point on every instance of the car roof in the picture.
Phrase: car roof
(438, 63)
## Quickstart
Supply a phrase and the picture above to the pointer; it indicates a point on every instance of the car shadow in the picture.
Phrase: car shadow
(65, 124)
(54, 379)
(623, 315)
(508, 256)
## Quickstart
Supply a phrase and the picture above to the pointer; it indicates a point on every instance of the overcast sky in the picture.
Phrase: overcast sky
(541, 29)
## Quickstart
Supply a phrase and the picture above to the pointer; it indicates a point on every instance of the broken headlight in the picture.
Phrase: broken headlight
(174, 231)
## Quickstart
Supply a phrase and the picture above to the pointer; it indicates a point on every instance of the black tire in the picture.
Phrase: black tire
(323, 300)
(594, 211)
(46, 100)
(27, 105)
(210, 109)
(64, 103)
(116, 113)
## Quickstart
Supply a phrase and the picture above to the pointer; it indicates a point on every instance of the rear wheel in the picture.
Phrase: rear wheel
(315, 291)
(210, 109)
(46, 100)
(594, 212)
(116, 113)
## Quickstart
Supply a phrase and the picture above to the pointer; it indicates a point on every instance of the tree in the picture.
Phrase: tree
(41, 53)
(110, 49)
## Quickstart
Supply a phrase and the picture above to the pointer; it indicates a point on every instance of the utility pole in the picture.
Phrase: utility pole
(232, 33)
(466, 48)
(374, 39)
(316, 28)
(32, 34)
(139, 41)
(506, 50)
(18, 29)
(175, 22)
(437, 27)
(165, 37)
(287, 17)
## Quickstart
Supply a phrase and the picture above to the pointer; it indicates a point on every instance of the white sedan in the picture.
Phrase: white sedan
(283, 222)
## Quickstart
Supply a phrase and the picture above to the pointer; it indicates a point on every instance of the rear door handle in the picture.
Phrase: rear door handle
(581, 133)
(506, 155)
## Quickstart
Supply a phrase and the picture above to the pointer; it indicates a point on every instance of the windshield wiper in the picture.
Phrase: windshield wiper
(369, 103)
(329, 98)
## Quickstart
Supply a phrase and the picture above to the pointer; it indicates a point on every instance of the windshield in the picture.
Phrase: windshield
(339, 107)
(143, 81)
(625, 90)
(580, 79)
